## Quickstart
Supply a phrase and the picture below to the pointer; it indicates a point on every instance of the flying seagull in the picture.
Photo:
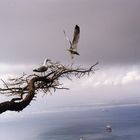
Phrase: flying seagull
(43, 68)
(74, 43)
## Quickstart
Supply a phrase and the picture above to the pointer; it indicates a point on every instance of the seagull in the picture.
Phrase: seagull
(74, 43)
(43, 68)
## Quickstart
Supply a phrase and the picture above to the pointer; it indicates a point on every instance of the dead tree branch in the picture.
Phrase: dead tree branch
(25, 88)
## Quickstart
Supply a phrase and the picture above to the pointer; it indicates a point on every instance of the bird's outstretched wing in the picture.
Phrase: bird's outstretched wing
(76, 37)
(67, 38)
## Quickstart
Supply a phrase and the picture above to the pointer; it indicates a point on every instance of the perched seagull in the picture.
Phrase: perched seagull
(43, 68)
(74, 43)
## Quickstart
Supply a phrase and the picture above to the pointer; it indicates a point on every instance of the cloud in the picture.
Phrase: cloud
(7, 69)
(109, 31)
(33, 30)
(131, 76)
(112, 77)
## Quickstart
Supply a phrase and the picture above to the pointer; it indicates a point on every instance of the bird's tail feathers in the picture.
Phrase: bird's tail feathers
(35, 70)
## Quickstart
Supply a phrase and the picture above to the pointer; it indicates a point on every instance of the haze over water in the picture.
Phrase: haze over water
(72, 123)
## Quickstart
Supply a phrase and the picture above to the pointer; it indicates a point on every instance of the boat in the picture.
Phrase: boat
(108, 128)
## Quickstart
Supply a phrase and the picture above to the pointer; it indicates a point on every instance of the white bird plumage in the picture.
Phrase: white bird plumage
(43, 68)
(74, 43)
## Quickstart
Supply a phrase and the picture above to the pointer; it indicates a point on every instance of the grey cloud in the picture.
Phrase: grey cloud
(33, 30)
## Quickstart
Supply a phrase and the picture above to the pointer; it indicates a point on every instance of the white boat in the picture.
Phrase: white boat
(82, 138)
(108, 128)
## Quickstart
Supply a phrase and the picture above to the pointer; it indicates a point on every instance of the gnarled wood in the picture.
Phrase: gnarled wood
(26, 87)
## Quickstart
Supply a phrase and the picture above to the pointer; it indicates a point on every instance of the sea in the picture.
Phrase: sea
(71, 123)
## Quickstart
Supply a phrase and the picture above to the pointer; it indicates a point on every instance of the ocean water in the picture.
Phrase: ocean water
(72, 123)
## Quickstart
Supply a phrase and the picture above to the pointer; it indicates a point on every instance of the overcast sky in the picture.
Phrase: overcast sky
(31, 30)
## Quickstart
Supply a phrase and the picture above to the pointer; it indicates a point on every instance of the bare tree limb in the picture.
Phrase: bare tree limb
(26, 87)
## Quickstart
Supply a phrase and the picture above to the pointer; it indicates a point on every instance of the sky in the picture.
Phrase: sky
(31, 30)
